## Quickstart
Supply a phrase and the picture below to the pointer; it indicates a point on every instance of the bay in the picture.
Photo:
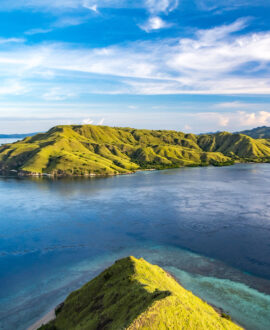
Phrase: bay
(210, 227)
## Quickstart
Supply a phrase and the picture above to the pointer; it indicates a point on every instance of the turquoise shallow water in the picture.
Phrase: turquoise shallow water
(207, 226)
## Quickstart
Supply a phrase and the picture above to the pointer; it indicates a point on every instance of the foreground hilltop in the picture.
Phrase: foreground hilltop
(133, 294)
(103, 150)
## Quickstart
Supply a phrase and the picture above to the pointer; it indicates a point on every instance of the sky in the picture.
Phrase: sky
(189, 65)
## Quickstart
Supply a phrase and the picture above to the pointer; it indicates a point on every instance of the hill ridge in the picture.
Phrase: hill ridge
(134, 294)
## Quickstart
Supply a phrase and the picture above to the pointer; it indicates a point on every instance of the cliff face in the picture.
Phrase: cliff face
(133, 294)
(103, 150)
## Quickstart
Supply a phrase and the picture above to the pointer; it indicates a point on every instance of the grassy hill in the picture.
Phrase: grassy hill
(103, 150)
(133, 294)
(262, 132)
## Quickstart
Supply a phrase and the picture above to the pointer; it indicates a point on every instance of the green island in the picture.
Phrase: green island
(88, 150)
(134, 294)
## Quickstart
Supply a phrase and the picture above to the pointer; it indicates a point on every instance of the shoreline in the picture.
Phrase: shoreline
(22, 174)
(17, 174)
(50, 316)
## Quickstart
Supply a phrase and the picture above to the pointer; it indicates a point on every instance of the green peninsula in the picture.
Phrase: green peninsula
(101, 150)
(133, 294)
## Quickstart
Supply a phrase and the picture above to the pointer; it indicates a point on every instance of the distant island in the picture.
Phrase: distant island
(16, 136)
(262, 132)
(133, 294)
(88, 150)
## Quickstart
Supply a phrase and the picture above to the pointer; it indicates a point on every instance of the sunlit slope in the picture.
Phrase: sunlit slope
(133, 294)
(98, 150)
(235, 146)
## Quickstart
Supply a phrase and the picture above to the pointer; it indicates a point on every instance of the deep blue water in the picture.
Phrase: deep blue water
(208, 226)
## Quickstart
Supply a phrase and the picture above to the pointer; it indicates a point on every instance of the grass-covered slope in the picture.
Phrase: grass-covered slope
(103, 150)
(133, 294)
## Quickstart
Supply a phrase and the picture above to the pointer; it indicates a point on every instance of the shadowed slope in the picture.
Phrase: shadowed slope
(133, 294)
(262, 132)
(103, 150)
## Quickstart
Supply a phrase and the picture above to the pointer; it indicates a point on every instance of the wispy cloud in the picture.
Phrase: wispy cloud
(11, 40)
(90, 121)
(214, 61)
(101, 122)
(89, 5)
(237, 105)
(13, 87)
(87, 121)
(57, 94)
(62, 21)
(66, 21)
(161, 6)
(221, 5)
(153, 6)
(38, 31)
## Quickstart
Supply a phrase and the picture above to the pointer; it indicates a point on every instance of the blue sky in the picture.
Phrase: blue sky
(191, 65)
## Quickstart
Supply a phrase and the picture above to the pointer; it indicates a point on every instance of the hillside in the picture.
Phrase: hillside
(103, 150)
(133, 294)
(262, 132)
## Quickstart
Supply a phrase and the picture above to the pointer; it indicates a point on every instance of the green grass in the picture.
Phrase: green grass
(102, 150)
(133, 294)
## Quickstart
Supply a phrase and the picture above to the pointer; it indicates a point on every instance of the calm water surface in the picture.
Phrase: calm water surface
(210, 227)
(4, 141)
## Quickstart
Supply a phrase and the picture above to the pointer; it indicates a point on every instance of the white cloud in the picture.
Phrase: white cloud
(159, 6)
(220, 5)
(238, 120)
(153, 6)
(214, 61)
(87, 121)
(90, 6)
(154, 23)
(42, 116)
(13, 87)
(11, 40)
(187, 127)
(37, 31)
(253, 119)
(207, 37)
(101, 121)
(233, 105)
(224, 121)
(39, 4)
(57, 94)
(66, 21)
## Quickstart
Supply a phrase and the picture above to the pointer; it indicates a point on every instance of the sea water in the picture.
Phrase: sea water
(209, 227)
(8, 140)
